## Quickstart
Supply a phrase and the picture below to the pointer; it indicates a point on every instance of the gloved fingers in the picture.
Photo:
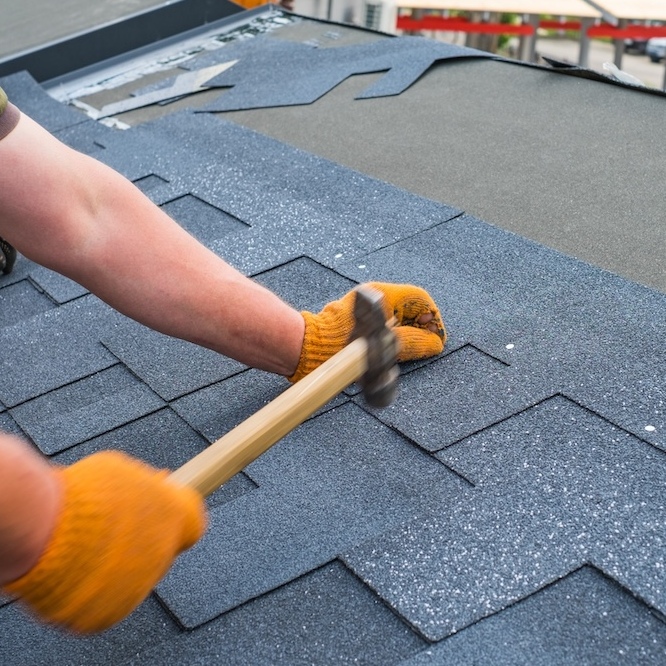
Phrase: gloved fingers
(417, 343)
(121, 526)
(411, 306)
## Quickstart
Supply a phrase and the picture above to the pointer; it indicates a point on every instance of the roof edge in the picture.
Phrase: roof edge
(87, 48)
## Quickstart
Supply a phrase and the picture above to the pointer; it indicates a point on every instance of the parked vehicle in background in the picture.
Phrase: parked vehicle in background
(637, 46)
(656, 49)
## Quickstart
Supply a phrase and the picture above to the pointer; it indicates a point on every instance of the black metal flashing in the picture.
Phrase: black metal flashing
(117, 38)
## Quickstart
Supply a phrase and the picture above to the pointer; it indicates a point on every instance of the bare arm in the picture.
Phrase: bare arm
(29, 502)
(79, 217)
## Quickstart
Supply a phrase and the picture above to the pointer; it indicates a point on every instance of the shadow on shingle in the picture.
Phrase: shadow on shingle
(26, 641)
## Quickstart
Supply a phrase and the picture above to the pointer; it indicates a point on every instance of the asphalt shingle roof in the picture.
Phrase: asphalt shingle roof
(507, 508)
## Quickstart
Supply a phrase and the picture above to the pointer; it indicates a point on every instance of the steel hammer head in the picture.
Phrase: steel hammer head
(379, 382)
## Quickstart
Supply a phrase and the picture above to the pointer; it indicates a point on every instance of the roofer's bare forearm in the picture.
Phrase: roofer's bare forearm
(77, 216)
(30, 499)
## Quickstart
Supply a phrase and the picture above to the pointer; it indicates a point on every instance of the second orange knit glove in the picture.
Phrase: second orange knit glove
(121, 526)
(328, 332)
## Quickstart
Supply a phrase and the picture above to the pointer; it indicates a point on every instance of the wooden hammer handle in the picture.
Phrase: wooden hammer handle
(239, 447)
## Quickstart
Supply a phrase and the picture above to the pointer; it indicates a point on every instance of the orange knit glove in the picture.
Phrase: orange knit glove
(121, 525)
(328, 332)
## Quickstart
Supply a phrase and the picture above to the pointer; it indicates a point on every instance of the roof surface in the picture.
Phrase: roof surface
(509, 506)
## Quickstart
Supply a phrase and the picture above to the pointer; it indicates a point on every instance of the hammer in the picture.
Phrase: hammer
(370, 358)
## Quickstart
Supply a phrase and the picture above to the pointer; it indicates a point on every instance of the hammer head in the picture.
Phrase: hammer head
(379, 383)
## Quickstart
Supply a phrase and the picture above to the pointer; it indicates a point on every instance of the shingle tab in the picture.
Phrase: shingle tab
(58, 287)
(86, 408)
(57, 347)
(329, 617)
(268, 185)
(585, 618)
(21, 301)
(474, 389)
(205, 222)
(554, 488)
(560, 324)
(163, 440)
(171, 367)
(338, 479)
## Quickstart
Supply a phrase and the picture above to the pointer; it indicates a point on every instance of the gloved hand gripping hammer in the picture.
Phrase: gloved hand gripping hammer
(370, 358)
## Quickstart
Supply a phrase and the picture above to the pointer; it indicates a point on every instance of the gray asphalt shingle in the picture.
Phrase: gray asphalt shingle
(555, 487)
(507, 508)
(263, 77)
(339, 479)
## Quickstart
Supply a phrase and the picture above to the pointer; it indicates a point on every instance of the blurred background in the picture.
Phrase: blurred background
(604, 35)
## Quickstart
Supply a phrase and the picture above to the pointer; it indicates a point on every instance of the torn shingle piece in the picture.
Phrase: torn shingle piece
(86, 408)
(20, 301)
(166, 91)
(328, 616)
(57, 286)
(555, 487)
(585, 618)
(264, 77)
(459, 394)
(163, 440)
(170, 366)
(25, 93)
(245, 49)
(205, 222)
(27, 641)
(411, 59)
(58, 347)
(337, 479)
